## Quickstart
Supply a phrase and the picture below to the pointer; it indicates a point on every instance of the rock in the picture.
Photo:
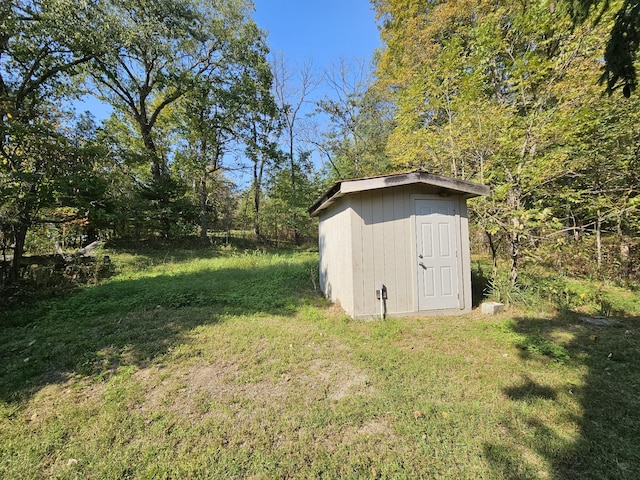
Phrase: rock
(492, 308)
(599, 321)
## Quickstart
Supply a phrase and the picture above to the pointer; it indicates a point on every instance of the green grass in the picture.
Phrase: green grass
(193, 365)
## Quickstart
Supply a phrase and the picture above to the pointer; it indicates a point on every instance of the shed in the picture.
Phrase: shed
(396, 244)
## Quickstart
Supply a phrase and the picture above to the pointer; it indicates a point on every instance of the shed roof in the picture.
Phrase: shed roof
(441, 183)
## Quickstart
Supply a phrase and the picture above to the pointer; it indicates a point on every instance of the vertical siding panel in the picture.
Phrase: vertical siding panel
(368, 271)
(465, 266)
(324, 251)
(357, 252)
(345, 255)
(402, 250)
(378, 247)
(390, 237)
(459, 252)
(335, 255)
(412, 274)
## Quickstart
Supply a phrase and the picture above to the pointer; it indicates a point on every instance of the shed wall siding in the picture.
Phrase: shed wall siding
(466, 255)
(382, 247)
(368, 239)
(358, 253)
(336, 264)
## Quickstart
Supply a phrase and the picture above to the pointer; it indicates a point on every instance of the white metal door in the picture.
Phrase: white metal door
(437, 261)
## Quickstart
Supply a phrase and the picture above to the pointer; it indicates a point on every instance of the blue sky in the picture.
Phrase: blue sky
(319, 30)
(318, 33)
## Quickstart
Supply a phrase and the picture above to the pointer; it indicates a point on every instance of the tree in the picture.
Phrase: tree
(261, 126)
(359, 121)
(285, 214)
(498, 93)
(206, 122)
(601, 192)
(161, 51)
(225, 110)
(624, 39)
(291, 95)
(41, 51)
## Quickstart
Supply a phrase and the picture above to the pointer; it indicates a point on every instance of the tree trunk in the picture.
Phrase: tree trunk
(513, 202)
(92, 232)
(18, 251)
(154, 164)
(296, 233)
(157, 170)
(494, 255)
(257, 190)
(514, 254)
(203, 205)
(625, 256)
(625, 250)
(599, 240)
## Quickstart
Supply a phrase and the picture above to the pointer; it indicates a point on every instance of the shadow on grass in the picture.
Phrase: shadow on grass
(607, 444)
(479, 286)
(190, 247)
(136, 321)
(530, 389)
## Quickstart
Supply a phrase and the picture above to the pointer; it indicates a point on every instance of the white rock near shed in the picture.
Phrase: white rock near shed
(492, 308)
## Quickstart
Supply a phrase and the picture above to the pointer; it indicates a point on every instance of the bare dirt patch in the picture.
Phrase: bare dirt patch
(46, 403)
(339, 378)
(195, 390)
(375, 428)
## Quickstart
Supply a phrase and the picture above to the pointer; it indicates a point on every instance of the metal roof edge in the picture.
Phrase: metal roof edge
(344, 187)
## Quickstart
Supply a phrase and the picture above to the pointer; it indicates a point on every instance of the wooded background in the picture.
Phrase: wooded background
(535, 99)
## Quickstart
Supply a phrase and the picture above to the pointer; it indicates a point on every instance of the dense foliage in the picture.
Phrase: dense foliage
(507, 94)
(188, 85)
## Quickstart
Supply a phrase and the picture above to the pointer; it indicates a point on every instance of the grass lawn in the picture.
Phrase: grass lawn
(232, 366)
